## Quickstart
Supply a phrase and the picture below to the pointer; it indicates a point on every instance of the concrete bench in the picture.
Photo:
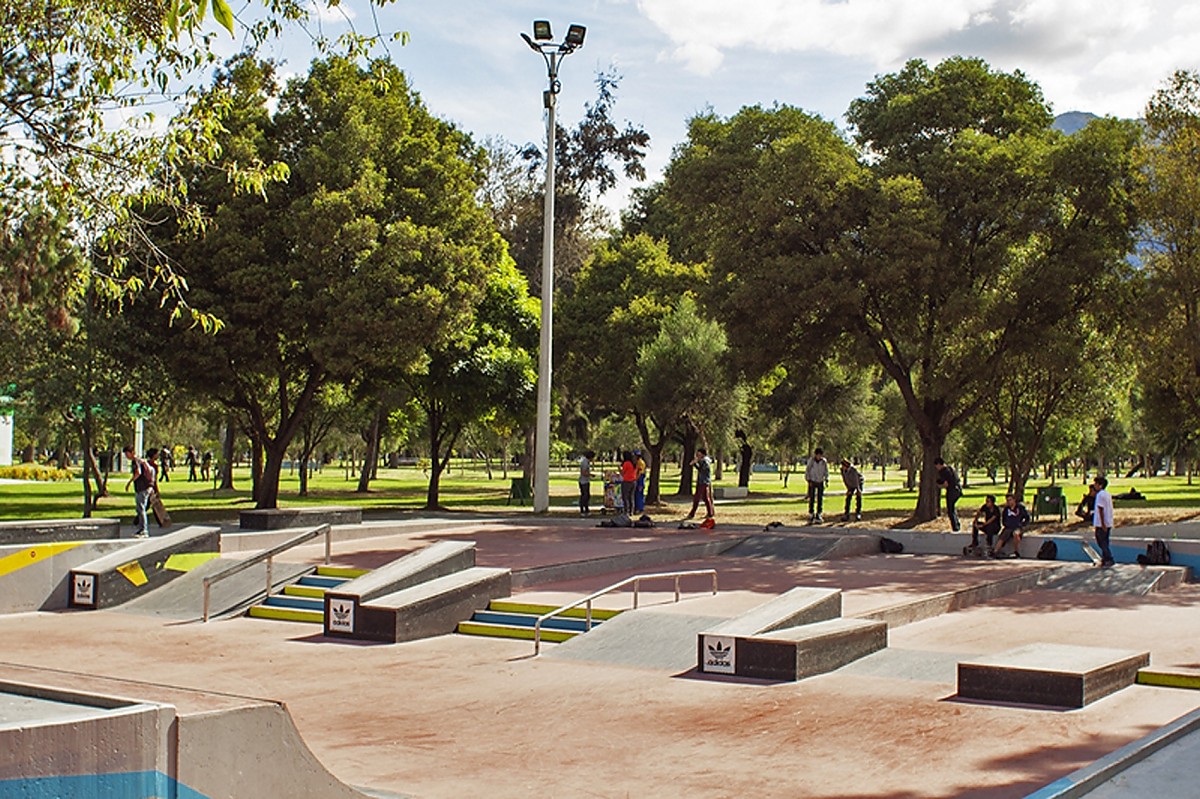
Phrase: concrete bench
(44, 531)
(278, 518)
(431, 608)
(141, 567)
(436, 560)
(717, 647)
(1055, 675)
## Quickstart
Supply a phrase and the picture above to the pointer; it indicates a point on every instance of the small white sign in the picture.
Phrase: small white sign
(341, 615)
(83, 589)
(719, 654)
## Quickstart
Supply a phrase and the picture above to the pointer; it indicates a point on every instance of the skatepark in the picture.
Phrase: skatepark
(818, 667)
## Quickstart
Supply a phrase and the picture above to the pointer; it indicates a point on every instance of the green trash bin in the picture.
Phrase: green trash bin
(521, 490)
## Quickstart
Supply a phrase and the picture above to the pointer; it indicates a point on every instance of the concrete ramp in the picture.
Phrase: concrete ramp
(235, 748)
(805, 547)
(646, 638)
(183, 597)
(141, 567)
(1121, 579)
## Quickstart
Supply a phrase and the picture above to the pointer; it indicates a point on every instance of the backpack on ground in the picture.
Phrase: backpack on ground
(889, 546)
(1157, 554)
(1048, 551)
(644, 521)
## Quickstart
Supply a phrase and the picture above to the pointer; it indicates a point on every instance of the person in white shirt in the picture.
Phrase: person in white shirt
(585, 482)
(817, 475)
(1102, 520)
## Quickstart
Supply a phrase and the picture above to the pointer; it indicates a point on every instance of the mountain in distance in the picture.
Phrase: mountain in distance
(1072, 121)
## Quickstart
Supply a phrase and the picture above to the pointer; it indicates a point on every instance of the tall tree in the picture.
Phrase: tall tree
(969, 227)
(618, 304)
(1169, 203)
(373, 251)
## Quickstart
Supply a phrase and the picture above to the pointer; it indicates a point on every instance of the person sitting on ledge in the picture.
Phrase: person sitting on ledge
(1013, 517)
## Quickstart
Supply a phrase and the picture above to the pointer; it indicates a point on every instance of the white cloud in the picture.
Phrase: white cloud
(1100, 55)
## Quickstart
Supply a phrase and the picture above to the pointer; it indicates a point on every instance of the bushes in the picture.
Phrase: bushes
(35, 471)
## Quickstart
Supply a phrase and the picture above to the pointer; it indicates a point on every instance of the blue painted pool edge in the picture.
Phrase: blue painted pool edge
(124, 785)
(1082, 781)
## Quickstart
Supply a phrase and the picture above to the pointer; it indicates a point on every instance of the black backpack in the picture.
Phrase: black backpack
(890, 547)
(1157, 554)
(1048, 551)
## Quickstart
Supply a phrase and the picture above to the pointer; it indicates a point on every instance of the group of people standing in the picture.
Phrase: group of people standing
(633, 482)
(816, 474)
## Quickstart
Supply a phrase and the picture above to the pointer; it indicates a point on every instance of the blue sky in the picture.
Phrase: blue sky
(681, 57)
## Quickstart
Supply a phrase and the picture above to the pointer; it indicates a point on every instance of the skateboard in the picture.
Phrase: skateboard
(160, 511)
(1090, 552)
(975, 551)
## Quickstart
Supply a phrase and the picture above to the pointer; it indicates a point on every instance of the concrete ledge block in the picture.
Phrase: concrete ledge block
(798, 606)
(793, 653)
(730, 492)
(421, 611)
(437, 560)
(1054, 675)
(45, 531)
(278, 518)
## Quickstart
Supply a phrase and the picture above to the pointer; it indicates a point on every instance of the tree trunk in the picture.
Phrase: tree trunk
(927, 498)
(690, 437)
(256, 475)
(227, 447)
(266, 492)
(89, 461)
(305, 457)
(371, 438)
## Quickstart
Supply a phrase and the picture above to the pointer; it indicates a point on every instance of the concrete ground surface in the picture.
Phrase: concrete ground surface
(455, 715)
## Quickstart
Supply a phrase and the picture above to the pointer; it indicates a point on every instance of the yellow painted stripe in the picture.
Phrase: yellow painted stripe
(132, 571)
(508, 606)
(502, 631)
(287, 614)
(340, 571)
(311, 591)
(186, 561)
(1169, 679)
(28, 557)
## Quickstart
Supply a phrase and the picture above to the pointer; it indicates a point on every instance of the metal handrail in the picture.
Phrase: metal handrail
(269, 556)
(636, 580)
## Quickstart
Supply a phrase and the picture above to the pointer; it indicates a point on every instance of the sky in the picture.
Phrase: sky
(678, 58)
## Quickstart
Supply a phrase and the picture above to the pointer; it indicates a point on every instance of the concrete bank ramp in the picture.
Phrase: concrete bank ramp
(56, 742)
(183, 598)
(647, 638)
(1119, 579)
(805, 546)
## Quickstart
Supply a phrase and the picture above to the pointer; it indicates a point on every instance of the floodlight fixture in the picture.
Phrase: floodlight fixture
(575, 35)
(541, 30)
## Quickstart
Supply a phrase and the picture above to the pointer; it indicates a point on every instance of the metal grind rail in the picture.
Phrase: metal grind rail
(269, 556)
(636, 580)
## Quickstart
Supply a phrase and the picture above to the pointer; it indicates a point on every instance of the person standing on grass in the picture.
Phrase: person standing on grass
(585, 482)
(143, 480)
(948, 481)
(817, 475)
(1102, 519)
(703, 490)
(853, 480)
(628, 483)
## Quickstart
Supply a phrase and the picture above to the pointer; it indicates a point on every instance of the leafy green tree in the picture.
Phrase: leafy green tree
(681, 382)
(617, 304)
(79, 80)
(1169, 204)
(969, 227)
(374, 251)
(484, 372)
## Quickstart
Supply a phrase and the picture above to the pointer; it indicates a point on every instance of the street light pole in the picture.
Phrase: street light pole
(553, 54)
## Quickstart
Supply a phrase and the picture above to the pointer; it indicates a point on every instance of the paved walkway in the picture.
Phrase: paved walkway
(453, 715)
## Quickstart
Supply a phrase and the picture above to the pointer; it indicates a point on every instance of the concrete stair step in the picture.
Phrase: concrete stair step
(287, 614)
(511, 631)
(536, 609)
(529, 620)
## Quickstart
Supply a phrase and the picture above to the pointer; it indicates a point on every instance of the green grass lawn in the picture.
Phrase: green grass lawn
(466, 487)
